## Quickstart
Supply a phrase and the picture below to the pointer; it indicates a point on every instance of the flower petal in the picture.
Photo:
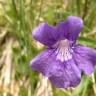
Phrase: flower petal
(45, 63)
(74, 25)
(85, 58)
(70, 77)
(61, 30)
(48, 35)
(61, 74)
(71, 28)
(44, 34)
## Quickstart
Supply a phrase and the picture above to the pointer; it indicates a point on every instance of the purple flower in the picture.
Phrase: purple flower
(64, 60)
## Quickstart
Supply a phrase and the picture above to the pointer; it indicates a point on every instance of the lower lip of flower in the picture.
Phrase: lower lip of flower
(63, 50)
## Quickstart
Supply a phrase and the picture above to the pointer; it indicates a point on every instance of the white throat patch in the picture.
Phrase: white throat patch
(63, 51)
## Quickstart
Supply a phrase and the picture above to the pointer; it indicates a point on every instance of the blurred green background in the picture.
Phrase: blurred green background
(17, 47)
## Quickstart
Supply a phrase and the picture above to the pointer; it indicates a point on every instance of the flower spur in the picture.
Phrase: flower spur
(63, 60)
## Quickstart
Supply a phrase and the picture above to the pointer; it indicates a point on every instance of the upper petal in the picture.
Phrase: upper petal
(44, 34)
(71, 28)
(85, 58)
(49, 35)
(61, 74)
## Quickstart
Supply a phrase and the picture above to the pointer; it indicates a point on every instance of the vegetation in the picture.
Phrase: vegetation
(17, 47)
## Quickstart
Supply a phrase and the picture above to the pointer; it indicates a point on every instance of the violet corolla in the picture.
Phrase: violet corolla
(63, 60)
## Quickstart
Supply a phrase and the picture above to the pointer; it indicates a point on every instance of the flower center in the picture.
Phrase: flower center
(63, 52)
